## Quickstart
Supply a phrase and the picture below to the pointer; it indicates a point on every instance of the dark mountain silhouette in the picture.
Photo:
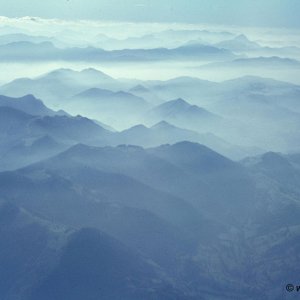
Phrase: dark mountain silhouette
(119, 191)
(25, 138)
(71, 262)
(94, 265)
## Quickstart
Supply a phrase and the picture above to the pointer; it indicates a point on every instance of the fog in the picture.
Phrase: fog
(148, 160)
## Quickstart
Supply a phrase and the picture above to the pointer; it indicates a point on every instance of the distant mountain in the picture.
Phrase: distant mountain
(256, 84)
(173, 108)
(165, 133)
(26, 138)
(273, 62)
(33, 125)
(160, 133)
(14, 121)
(28, 104)
(260, 99)
(203, 92)
(145, 93)
(90, 76)
(118, 109)
(182, 114)
(203, 51)
(239, 43)
(265, 107)
(164, 209)
(185, 87)
(279, 167)
(189, 34)
(264, 97)
(194, 157)
(59, 85)
(27, 151)
(21, 37)
(166, 38)
(105, 126)
(244, 103)
(292, 52)
(46, 51)
(25, 50)
(108, 97)
(180, 82)
(68, 128)
(275, 92)
(148, 41)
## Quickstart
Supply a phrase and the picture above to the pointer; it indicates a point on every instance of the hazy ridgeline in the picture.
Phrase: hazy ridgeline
(158, 163)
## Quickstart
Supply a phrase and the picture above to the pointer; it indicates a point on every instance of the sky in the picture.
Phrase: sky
(255, 13)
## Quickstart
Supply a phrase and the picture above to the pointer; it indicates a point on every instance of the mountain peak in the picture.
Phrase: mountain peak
(92, 71)
(131, 148)
(251, 79)
(191, 145)
(28, 97)
(138, 127)
(139, 88)
(179, 101)
(95, 92)
(273, 159)
(241, 38)
(188, 80)
(79, 149)
(163, 125)
(58, 72)
(28, 104)
(198, 157)
(179, 108)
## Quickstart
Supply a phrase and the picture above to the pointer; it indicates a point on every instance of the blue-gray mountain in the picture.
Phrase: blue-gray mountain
(178, 227)
(151, 184)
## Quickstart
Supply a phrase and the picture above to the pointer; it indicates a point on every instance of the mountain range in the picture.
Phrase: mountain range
(114, 108)
(46, 51)
(181, 113)
(173, 173)
(132, 199)
(221, 109)
(58, 85)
